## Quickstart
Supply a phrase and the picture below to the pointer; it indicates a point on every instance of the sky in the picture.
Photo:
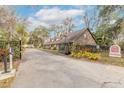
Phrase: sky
(47, 15)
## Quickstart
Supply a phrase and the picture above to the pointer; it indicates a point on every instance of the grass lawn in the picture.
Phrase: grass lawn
(105, 59)
(6, 83)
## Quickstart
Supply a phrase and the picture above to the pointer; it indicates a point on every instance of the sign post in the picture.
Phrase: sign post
(115, 51)
(11, 51)
(4, 60)
(3, 54)
(20, 44)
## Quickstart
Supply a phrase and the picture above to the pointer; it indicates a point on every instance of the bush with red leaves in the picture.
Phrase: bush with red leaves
(3, 52)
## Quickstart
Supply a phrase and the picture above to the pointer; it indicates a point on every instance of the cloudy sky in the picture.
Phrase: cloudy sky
(46, 15)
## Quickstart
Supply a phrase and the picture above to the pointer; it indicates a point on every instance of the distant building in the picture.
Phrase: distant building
(66, 40)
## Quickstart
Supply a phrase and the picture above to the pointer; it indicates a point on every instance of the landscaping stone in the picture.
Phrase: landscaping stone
(11, 73)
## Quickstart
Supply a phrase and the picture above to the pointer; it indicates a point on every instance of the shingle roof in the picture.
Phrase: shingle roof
(70, 37)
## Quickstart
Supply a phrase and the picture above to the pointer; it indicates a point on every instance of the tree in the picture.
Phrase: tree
(109, 26)
(8, 22)
(3, 34)
(68, 24)
(22, 33)
(12, 26)
(63, 28)
(90, 19)
(38, 36)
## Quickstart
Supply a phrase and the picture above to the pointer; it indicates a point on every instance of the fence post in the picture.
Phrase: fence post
(5, 63)
(11, 58)
(20, 44)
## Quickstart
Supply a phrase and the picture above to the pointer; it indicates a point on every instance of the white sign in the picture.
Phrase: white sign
(115, 51)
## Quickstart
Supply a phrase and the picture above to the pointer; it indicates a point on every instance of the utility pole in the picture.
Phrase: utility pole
(4, 60)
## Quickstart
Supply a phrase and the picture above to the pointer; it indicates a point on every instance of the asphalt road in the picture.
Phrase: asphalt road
(41, 69)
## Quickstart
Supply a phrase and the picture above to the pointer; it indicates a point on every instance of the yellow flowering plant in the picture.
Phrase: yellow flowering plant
(89, 55)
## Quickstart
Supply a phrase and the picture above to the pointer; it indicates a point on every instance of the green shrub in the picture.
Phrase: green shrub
(122, 46)
(16, 54)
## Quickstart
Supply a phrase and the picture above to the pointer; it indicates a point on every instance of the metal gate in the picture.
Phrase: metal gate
(16, 46)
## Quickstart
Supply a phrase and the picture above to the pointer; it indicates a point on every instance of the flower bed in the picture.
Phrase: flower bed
(89, 55)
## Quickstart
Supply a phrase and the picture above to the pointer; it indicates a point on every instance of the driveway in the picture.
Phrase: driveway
(41, 69)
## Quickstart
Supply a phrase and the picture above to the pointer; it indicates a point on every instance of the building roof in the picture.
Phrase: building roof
(69, 37)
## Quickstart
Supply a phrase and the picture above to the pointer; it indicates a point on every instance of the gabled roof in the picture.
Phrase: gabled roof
(70, 37)
(73, 36)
